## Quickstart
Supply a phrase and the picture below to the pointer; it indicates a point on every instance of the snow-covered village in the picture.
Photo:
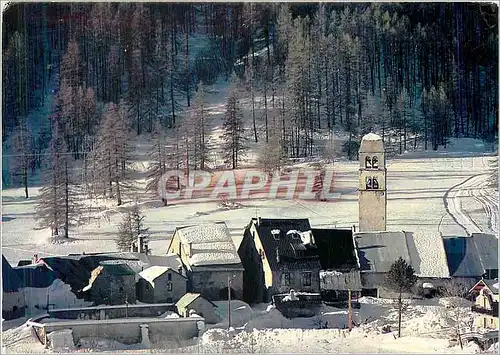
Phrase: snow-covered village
(249, 177)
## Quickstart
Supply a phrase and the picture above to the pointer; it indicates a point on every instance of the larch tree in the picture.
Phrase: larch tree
(23, 158)
(57, 205)
(233, 130)
(130, 228)
(112, 152)
(158, 157)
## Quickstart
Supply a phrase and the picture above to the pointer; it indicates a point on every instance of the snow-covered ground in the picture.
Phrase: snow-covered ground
(427, 327)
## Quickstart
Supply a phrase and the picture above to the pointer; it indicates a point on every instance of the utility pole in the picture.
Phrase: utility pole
(349, 321)
(228, 302)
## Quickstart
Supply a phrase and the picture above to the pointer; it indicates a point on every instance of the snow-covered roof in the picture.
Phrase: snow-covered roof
(430, 254)
(371, 143)
(209, 244)
(152, 273)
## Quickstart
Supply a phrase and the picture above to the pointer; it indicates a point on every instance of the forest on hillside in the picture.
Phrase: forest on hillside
(421, 72)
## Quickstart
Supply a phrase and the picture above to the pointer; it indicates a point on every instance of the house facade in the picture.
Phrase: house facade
(278, 255)
(111, 283)
(211, 261)
(485, 307)
(13, 302)
(339, 264)
(160, 284)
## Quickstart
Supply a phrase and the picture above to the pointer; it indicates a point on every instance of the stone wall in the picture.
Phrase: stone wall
(210, 283)
(113, 312)
(129, 331)
(113, 289)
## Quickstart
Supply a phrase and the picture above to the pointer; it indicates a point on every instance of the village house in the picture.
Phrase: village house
(472, 258)
(194, 302)
(485, 307)
(339, 264)
(278, 255)
(160, 284)
(377, 251)
(111, 283)
(208, 253)
(13, 302)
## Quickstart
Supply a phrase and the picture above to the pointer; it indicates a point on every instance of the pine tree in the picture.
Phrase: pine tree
(233, 136)
(22, 155)
(401, 278)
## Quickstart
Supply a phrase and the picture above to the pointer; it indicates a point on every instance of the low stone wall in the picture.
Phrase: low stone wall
(128, 331)
(113, 312)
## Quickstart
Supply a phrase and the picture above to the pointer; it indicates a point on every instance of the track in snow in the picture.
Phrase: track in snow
(478, 188)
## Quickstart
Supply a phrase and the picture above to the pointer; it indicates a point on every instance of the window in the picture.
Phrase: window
(306, 278)
(368, 162)
(375, 162)
(276, 234)
(285, 279)
(169, 277)
(170, 286)
(368, 181)
(374, 184)
(121, 289)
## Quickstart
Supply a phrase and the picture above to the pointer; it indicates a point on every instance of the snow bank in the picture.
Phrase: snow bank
(58, 295)
(61, 340)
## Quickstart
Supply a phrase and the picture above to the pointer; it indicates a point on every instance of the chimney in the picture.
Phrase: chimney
(140, 244)
(190, 251)
(277, 255)
(179, 269)
(34, 260)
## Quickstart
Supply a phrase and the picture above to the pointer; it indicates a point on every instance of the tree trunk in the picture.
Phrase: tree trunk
(25, 179)
(66, 201)
(400, 309)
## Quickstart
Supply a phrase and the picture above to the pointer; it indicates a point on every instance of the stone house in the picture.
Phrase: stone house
(111, 283)
(13, 302)
(377, 251)
(485, 307)
(160, 284)
(201, 306)
(278, 255)
(339, 264)
(208, 253)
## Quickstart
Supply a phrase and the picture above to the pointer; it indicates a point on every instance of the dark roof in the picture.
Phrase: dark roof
(471, 256)
(335, 248)
(117, 268)
(291, 250)
(10, 280)
(75, 270)
(379, 250)
(487, 247)
(35, 275)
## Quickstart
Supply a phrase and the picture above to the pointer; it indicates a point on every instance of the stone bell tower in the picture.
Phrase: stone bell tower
(372, 184)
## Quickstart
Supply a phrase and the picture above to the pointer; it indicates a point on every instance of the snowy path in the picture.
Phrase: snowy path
(476, 187)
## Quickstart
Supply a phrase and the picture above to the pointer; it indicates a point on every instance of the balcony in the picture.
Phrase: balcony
(490, 312)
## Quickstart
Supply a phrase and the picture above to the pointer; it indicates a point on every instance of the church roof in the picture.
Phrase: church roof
(371, 143)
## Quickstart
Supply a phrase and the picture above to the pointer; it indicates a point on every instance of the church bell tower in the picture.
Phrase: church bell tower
(372, 184)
